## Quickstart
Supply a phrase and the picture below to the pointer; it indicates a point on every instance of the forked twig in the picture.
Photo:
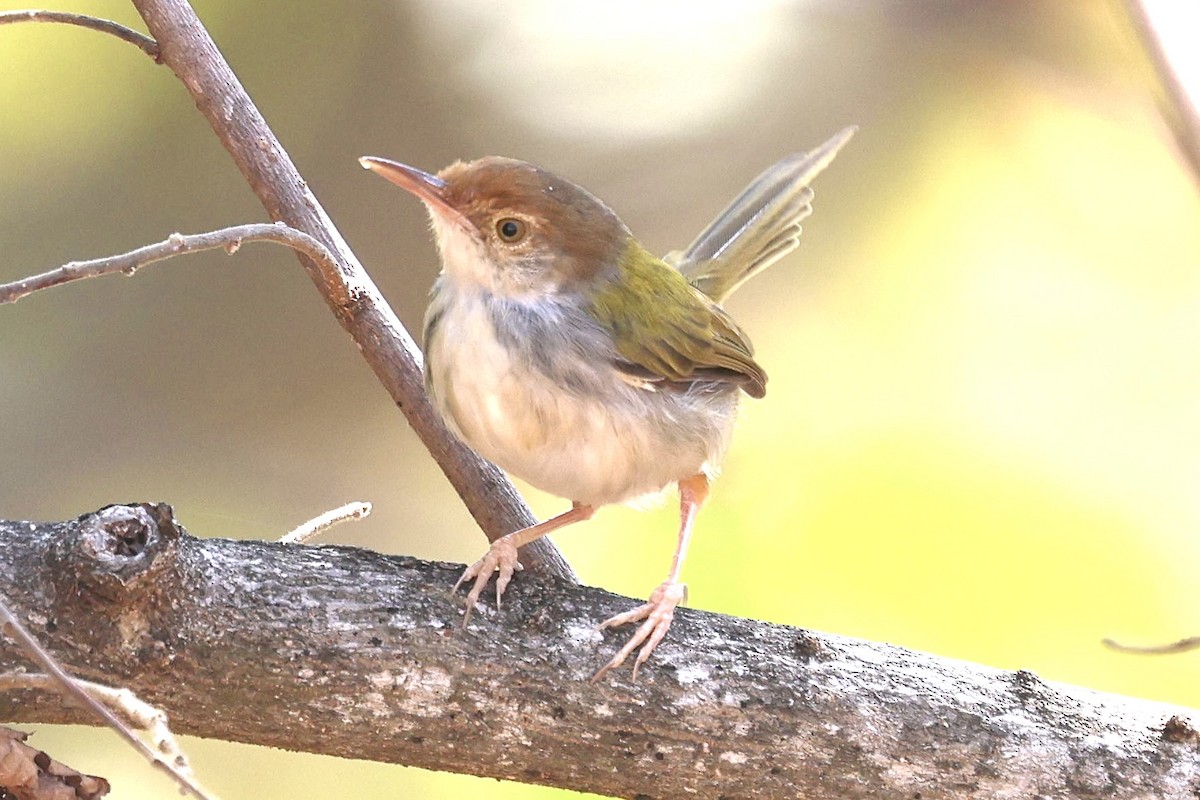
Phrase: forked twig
(174, 245)
(179, 41)
(189, 51)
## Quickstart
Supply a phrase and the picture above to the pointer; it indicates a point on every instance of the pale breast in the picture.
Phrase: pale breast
(547, 406)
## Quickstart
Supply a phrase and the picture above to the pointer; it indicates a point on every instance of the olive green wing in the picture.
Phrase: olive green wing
(667, 331)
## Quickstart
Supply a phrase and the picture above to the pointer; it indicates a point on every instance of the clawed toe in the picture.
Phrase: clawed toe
(501, 557)
(657, 614)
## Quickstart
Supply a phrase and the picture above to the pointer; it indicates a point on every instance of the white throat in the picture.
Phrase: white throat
(464, 258)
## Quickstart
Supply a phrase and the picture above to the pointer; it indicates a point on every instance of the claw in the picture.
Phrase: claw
(502, 556)
(658, 612)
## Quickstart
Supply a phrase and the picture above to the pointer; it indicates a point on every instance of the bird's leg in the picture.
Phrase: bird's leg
(659, 610)
(502, 555)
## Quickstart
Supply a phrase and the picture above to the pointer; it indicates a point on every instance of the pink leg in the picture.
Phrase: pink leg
(502, 555)
(659, 610)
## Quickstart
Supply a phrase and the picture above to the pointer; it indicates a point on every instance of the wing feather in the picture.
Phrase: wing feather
(759, 227)
(666, 330)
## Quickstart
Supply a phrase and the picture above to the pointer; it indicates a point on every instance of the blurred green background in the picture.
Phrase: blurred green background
(982, 437)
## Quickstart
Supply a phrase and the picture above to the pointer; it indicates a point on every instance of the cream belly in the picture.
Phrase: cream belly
(614, 444)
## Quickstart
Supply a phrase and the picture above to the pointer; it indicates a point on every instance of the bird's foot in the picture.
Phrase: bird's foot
(502, 557)
(657, 612)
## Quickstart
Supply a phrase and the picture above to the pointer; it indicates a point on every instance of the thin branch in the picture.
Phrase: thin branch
(139, 40)
(138, 712)
(318, 525)
(231, 239)
(190, 52)
(1179, 106)
(1181, 646)
(67, 685)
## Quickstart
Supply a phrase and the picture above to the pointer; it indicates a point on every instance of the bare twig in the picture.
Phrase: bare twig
(190, 52)
(74, 689)
(1179, 106)
(138, 712)
(176, 244)
(1181, 646)
(139, 40)
(318, 525)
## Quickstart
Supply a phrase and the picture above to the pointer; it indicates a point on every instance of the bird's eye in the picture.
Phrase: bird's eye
(510, 230)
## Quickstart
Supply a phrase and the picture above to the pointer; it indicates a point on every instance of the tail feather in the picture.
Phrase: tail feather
(758, 228)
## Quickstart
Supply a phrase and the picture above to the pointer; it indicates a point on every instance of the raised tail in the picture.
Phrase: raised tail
(758, 228)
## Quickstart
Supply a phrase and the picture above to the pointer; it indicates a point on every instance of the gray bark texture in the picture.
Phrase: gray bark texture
(352, 653)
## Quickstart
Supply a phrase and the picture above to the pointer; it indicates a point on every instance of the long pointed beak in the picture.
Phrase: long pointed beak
(430, 189)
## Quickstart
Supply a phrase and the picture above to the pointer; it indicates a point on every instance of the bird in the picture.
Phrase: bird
(561, 349)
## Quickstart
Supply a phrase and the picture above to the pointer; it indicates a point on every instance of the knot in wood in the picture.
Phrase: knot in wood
(122, 550)
(1180, 729)
(117, 532)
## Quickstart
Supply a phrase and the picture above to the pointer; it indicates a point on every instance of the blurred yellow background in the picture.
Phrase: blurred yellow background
(982, 436)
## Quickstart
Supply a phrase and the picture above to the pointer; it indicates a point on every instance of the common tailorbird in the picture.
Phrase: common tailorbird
(559, 348)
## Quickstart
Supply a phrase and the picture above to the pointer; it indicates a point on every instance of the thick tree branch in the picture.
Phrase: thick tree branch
(185, 47)
(306, 647)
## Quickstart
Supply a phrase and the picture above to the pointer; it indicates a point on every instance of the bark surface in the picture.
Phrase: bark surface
(349, 652)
